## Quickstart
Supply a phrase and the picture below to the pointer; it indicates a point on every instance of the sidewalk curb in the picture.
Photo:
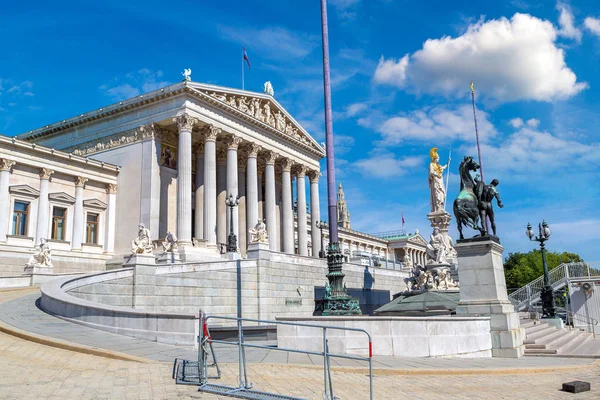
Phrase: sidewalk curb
(61, 344)
(424, 371)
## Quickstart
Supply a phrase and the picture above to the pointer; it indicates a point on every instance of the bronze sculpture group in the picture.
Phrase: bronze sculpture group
(474, 202)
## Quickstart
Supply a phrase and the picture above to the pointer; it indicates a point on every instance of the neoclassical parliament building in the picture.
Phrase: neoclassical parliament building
(169, 159)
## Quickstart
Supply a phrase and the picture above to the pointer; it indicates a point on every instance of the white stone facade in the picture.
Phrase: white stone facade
(66, 199)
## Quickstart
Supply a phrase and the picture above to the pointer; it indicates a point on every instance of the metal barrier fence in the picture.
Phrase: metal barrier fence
(201, 367)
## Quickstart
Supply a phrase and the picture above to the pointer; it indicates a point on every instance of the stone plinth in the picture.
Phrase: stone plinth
(38, 269)
(169, 258)
(483, 293)
(259, 251)
(138, 259)
(198, 254)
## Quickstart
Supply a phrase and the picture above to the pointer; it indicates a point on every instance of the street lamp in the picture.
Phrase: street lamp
(547, 294)
(231, 238)
(322, 225)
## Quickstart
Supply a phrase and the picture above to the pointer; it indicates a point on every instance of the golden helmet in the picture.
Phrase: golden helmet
(433, 154)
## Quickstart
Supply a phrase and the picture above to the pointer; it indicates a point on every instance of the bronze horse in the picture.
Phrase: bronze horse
(466, 208)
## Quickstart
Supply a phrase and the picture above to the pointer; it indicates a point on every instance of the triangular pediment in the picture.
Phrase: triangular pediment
(61, 197)
(418, 239)
(94, 203)
(261, 108)
(24, 190)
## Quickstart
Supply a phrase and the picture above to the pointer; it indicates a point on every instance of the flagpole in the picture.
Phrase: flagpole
(242, 68)
(487, 225)
(447, 176)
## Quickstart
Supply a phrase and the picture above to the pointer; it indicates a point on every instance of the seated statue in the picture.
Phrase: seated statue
(407, 262)
(436, 249)
(142, 243)
(42, 256)
(170, 243)
(259, 233)
(444, 281)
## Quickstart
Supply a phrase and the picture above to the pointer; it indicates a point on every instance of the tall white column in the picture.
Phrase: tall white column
(252, 187)
(270, 217)
(221, 196)
(243, 238)
(315, 213)
(199, 209)
(210, 183)
(261, 193)
(111, 214)
(185, 124)
(232, 182)
(287, 213)
(302, 228)
(43, 215)
(5, 166)
(78, 230)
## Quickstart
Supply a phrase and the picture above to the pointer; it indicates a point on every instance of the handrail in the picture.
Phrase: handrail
(558, 278)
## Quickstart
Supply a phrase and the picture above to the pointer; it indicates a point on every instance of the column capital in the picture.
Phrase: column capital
(45, 173)
(287, 164)
(80, 181)
(185, 122)
(150, 131)
(270, 157)
(300, 170)
(253, 149)
(221, 155)
(198, 148)
(111, 188)
(6, 164)
(233, 142)
(314, 176)
(260, 168)
(241, 162)
(210, 133)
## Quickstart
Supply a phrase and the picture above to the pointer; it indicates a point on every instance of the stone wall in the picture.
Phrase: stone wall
(13, 260)
(116, 292)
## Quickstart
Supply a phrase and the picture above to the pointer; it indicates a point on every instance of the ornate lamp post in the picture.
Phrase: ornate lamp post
(322, 225)
(231, 238)
(547, 294)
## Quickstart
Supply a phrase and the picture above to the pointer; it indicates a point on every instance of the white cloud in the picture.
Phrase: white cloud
(533, 123)
(346, 9)
(134, 83)
(516, 123)
(386, 165)
(437, 123)
(508, 60)
(566, 22)
(593, 25)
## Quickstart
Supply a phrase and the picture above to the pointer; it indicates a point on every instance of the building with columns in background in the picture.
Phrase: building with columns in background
(168, 159)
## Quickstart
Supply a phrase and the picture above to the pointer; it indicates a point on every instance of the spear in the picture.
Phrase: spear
(487, 225)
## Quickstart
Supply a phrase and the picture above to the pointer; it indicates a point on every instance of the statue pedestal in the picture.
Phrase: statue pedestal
(483, 293)
(441, 220)
(139, 259)
(169, 258)
(38, 269)
(258, 251)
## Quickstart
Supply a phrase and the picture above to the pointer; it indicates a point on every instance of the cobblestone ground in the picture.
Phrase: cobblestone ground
(33, 371)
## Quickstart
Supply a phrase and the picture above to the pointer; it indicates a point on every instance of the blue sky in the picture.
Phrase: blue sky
(400, 73)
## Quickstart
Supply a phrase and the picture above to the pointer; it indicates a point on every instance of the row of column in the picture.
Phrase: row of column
(417, 256)
(43, 214)
(353, 246)
(212, 219)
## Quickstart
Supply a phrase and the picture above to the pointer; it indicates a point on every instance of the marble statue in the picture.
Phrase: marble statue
(268, 88)
(142, 243)
(41, 257)
(267, 116)
(259, 233)
(280, 121)
(436, 248)
(444, 281)
(187, 74)
(407, 262)
(436, 182)
(170, 243)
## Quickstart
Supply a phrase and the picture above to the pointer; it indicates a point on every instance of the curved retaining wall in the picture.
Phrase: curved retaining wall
(393, 336)
(171, 328)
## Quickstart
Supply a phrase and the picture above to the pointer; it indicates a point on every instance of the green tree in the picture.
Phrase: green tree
(522, 268)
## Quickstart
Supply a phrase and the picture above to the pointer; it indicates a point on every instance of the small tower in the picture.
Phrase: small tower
(342, 208)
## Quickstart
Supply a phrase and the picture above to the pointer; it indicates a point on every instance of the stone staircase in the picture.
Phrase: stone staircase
(542, 339)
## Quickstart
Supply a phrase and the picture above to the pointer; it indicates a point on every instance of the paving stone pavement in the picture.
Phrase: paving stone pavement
(18, 308)
(30, 370)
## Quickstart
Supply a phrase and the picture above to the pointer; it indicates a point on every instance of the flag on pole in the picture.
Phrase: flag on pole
(402, 217)
(246, 58)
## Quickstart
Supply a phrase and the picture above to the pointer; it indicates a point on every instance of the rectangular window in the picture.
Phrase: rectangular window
(20, 213)
(91, 236)
(58, 223)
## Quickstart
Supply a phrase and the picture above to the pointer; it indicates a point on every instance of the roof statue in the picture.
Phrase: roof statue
(187, 74)
(268, 88)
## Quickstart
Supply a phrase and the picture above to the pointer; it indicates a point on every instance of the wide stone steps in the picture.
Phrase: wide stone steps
(542, 339)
